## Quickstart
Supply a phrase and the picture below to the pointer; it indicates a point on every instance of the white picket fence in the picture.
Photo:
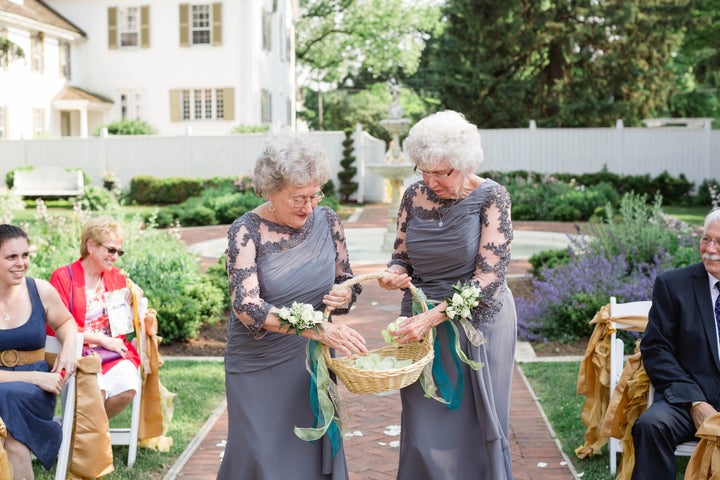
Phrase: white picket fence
(694, 152)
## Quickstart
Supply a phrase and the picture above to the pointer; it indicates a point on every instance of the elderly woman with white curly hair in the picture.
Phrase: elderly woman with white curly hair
(287, 250)
(454, 231)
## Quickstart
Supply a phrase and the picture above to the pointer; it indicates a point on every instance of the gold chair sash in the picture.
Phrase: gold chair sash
(91, 451)
(156, 403)
(705, 460)
(594, 379)
(6, 469)
(628, 402)
(594, 383)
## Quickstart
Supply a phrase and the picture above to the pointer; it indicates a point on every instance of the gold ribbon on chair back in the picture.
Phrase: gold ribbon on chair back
(594, 383)
(705, 460)
(156, 403)
(91, 452)
(6, 470)
(628, 402)
(594, 379)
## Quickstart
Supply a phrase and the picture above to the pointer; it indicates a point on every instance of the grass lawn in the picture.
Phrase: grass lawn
(554, 384)
(690, 215)
(199, 389)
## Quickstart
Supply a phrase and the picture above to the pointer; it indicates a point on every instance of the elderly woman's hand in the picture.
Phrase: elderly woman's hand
(415, 328)
(342, 338)
(338, 297)
(394, 280)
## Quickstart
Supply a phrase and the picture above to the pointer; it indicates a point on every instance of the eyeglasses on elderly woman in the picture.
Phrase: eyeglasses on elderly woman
(300, 201)
(436, 175)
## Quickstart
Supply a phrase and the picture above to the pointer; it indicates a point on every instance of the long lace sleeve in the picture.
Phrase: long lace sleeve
(400, 254)
(343, 271)
(494, 251)
(247, 306)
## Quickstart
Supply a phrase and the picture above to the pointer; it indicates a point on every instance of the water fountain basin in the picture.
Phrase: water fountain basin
(392, 172)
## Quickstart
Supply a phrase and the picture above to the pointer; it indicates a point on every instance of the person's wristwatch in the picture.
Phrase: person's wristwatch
(695, 403)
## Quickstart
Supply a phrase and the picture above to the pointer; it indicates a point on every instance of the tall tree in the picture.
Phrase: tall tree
(579, 63)
(698, 65)
(339, 38)
(354, 44)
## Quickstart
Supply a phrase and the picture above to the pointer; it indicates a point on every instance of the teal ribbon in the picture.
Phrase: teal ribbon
(437, 378)
(320, 402)
(452, 396)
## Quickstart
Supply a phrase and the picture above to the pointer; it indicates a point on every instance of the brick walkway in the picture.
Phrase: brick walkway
(372, 454)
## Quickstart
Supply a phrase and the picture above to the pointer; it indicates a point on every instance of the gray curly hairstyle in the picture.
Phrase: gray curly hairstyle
(444, 136)
(289, 159)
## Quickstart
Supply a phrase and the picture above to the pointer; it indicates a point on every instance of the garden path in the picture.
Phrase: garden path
(372, 452)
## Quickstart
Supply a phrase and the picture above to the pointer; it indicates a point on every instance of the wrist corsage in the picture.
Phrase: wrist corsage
(465, 298)
(300, 317)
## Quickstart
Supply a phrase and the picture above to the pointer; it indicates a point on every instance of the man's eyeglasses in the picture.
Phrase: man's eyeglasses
(113, 251)
(436, 175)
(299, 202)
(705, 241)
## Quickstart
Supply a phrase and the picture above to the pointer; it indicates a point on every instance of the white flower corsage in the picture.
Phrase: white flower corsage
(300, 317)
(464, 299)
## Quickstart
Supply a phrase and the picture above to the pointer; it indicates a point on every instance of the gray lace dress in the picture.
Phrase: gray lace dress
(267, 385)
(441, 242)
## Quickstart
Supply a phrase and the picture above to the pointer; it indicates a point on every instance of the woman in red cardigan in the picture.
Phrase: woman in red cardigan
(86, 286)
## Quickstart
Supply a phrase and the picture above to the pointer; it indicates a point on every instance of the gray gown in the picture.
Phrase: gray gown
(441, 242)
(267, 385)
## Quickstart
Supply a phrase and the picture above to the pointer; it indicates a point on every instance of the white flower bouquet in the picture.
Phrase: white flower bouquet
(465, 298)
(300, 317)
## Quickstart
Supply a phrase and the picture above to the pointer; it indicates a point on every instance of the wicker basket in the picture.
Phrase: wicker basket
(358, 380)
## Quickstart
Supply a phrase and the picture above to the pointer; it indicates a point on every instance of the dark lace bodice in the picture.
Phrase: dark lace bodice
(269, 263)
(441, 242)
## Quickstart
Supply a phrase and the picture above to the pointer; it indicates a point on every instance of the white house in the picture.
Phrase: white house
(182, 67)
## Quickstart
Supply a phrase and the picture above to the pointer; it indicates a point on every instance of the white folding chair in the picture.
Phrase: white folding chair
(129, 435)
(67, 407)
(617, 355)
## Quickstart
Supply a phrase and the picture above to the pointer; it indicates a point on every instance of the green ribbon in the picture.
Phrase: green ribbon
(320, 402)
(435, 377)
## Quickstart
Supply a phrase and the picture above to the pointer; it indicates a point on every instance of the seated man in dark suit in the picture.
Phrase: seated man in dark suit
(680, 354)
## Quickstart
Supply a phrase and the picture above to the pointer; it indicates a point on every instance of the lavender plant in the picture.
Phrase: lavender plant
(620, 257)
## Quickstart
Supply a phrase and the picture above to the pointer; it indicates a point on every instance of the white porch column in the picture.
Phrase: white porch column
(83, 123)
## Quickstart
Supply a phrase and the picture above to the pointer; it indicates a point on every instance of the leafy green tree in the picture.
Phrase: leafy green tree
(697, 65)
(345, 107)
(336, 38)
(354, 44)
(564, 64)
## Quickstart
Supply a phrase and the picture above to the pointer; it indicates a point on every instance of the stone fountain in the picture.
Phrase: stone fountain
(395, 169)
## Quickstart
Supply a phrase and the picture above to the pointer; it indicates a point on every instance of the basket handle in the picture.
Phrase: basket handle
(371, 276)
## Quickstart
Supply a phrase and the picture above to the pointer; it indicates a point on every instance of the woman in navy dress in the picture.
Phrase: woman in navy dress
(454, 226)
(28, 385)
